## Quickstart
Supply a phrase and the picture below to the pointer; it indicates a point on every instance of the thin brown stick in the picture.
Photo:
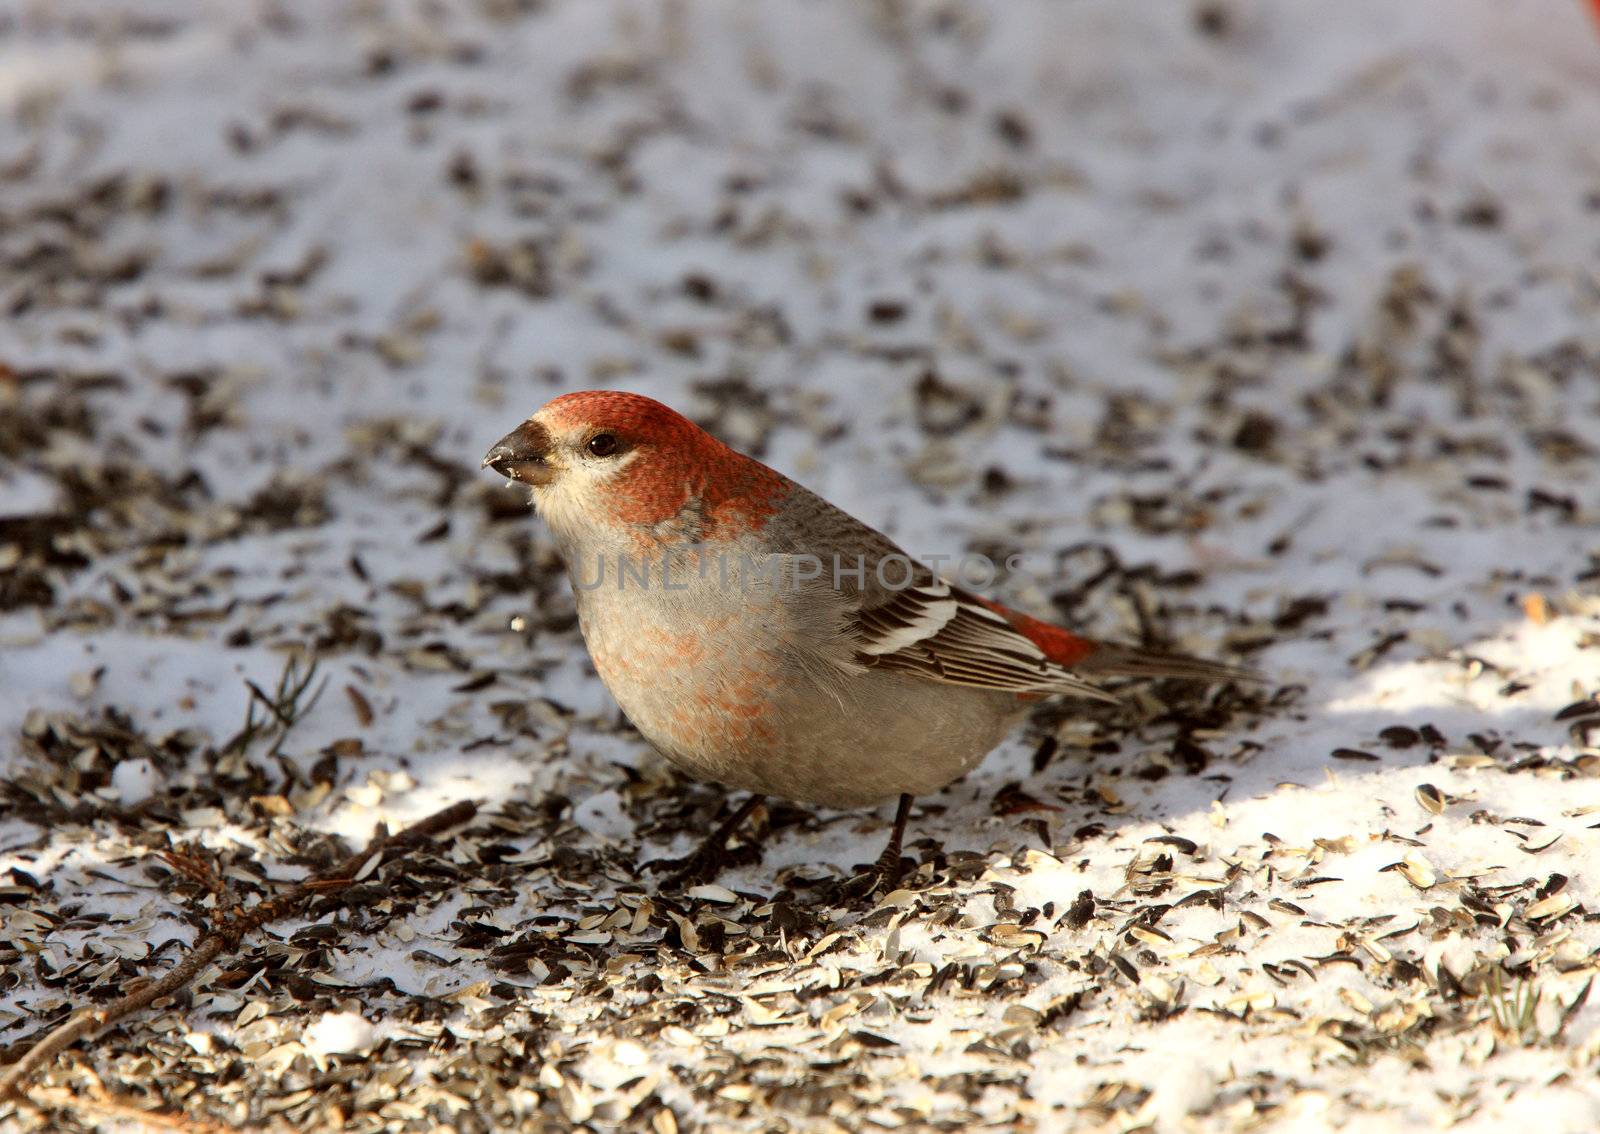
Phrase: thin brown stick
(224, 937)
(101, 1102)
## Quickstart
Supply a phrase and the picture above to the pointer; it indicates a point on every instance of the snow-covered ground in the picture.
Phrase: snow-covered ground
(1270, 328)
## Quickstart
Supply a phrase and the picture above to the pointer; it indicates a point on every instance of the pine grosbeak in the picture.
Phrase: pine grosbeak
(763, 639)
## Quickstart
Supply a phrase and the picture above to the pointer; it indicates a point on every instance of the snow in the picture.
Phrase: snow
(339, 1033)
(134, 781)
(1374, 225)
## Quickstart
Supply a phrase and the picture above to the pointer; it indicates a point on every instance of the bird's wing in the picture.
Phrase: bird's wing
(940, 632)
(949, 635)
(944, 634)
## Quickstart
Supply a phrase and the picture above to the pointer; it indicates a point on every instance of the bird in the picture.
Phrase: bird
(764, 640)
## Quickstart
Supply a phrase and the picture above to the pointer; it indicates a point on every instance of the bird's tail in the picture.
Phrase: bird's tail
(1114, 660)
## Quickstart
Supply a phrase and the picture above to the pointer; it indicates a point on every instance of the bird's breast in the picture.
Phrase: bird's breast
(694, 676)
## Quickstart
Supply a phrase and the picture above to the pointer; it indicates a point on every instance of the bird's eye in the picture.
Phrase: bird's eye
(602, 444)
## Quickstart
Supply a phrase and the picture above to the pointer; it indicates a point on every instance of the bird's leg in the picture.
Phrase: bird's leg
(708, 858)
(888, 867)
(883, 874)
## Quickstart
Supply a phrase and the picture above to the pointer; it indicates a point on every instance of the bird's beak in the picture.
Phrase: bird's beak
(523, 454)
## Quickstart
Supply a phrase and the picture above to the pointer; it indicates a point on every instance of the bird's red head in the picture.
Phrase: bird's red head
(608, 457)
(630, 416)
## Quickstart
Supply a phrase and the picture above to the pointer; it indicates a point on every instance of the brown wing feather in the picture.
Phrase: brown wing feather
(943, 634)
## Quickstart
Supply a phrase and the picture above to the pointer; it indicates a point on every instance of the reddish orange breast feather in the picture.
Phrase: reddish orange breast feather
(1060, 646)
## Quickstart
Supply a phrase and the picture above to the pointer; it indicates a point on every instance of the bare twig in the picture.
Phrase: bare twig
(189, 862)
(1513, 1013)
(101, 1102)
(287, 705)
(225, 937)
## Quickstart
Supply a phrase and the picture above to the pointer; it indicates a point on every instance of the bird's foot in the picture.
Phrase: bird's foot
(880, 877)
(690, 870)
(883, 874)
(710, 857)
(703, 865)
